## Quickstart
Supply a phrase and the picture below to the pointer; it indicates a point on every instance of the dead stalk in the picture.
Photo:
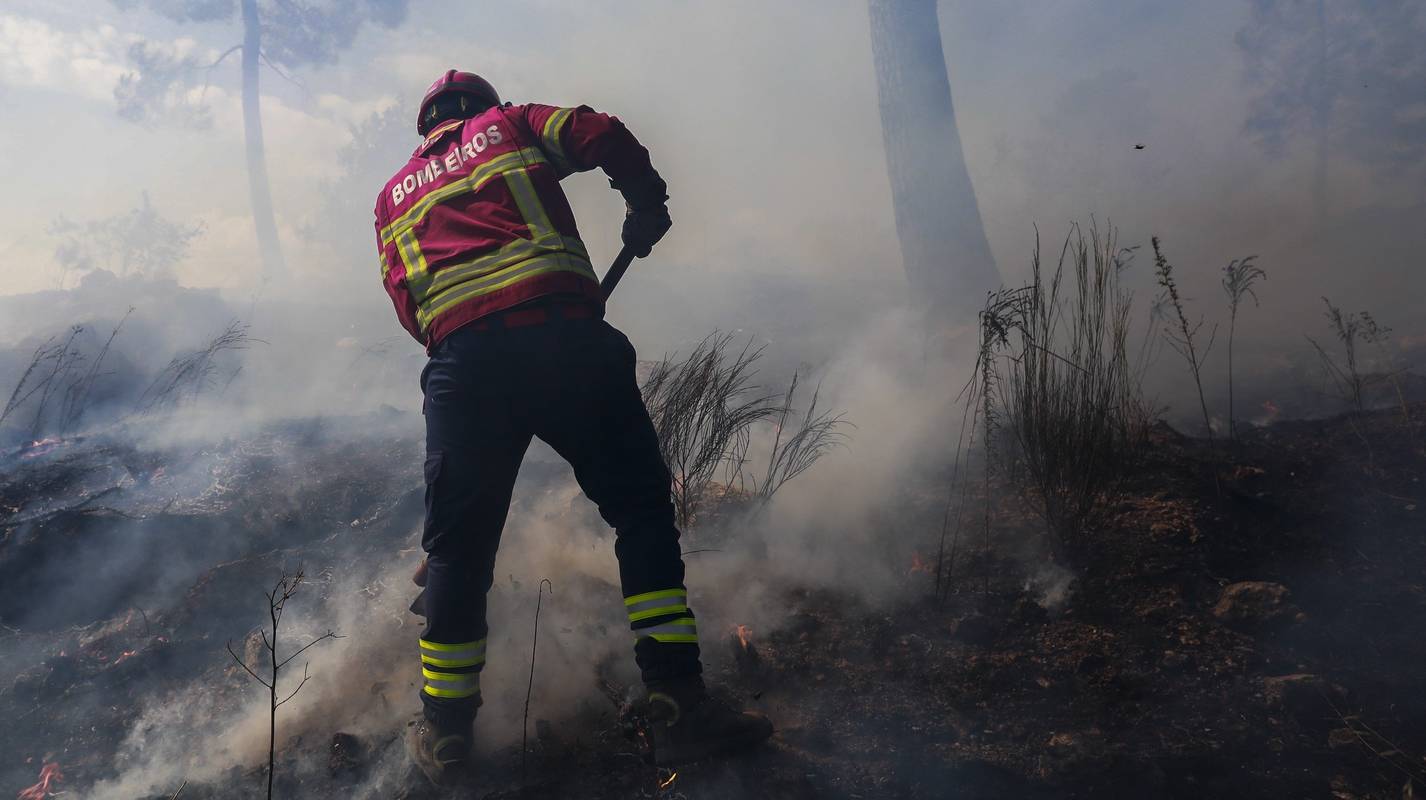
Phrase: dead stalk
(276, 603)
(1183, 336)
(530, 686)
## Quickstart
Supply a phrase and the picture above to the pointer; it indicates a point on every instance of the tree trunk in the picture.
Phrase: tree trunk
(259, 194)
(947, 258)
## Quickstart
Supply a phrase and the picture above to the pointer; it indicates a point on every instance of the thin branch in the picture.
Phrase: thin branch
(224, 56)
(245, 666)
(530, 686)
(208, 71)
(328, 635)
(306, 676)
(282, 74)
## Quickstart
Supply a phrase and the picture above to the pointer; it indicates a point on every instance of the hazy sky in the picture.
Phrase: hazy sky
(761, 115)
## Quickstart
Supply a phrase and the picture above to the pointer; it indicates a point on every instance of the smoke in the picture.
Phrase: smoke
(764, 122)
(830, 528)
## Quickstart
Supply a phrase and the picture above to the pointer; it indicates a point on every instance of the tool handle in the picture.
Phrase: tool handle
(616, 271)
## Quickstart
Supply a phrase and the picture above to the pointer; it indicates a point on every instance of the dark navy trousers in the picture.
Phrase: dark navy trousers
(572, 383)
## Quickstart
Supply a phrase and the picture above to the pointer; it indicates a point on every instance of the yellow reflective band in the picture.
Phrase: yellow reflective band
(659, 595)
(473, 182)
(435, 661)
(675, 638)
(550, 138)
(683, 630)
(451, 648)
(385, 265)
(451, 684)
(472, 678)
(451, 688)
(411, 255)
(539, 265)
(656, 604)
(455, 693)
(528, 200)
(660, 611)
(427, 288)
(465, 654)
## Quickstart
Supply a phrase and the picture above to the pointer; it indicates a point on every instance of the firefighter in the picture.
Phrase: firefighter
(482, 260)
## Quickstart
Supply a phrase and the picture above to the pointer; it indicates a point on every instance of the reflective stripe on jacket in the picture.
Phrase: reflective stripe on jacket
(476, 221)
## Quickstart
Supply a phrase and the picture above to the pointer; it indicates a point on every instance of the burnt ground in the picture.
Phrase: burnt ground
(1244, 621)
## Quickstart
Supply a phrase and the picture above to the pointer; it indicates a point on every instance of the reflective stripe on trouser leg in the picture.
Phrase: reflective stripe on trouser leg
(662, 603)
(452, 670)
(450, 684)
(684, 630)
(662, 616)
(467, 654)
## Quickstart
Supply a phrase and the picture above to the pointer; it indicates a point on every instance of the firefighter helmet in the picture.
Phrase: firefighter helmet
(455, 82)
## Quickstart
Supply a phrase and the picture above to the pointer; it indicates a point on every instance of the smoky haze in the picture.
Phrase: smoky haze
(763, 120)
(1222, 128)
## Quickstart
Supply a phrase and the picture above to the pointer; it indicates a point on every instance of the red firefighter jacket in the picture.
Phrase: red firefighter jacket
(476, 221)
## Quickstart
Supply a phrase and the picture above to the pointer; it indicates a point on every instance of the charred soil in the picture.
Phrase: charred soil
(1242, 621)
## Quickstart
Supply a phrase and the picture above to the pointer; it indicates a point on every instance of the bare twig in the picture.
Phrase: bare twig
(41, 354)
(814, 435)
(208, 71)
(1378, 745)
(277, 599)
(244, 665)
(530, 686)
(187, 376)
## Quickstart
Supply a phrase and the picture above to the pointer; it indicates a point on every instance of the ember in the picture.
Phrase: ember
(1271, 412)
(125, 656)
(49, 774)
(39, 447)
(667, 782)
(918, 565)
(745, 655)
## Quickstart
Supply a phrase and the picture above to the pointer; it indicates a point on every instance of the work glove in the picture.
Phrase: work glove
(643, 229)
(646, 218)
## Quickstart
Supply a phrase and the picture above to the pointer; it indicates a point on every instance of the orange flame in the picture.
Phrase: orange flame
(743, 635)
(49, 774)
(1271, 409)
(918, 565)
(669, 782)
(125, 656)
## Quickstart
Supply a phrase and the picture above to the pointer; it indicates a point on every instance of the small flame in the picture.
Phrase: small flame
(744, 633)
(918, 565)
(1271, 410)
(39, 447)
(669, 781)
(49, 774)
(125, 656)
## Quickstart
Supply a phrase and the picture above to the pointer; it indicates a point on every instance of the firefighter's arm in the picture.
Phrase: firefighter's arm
(393, 277)
(578, 139)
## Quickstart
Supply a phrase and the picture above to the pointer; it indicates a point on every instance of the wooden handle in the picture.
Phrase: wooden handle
(616, 271)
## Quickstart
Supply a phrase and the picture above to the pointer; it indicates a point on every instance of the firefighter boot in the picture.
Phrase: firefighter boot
(442, 755)
(687, 724)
